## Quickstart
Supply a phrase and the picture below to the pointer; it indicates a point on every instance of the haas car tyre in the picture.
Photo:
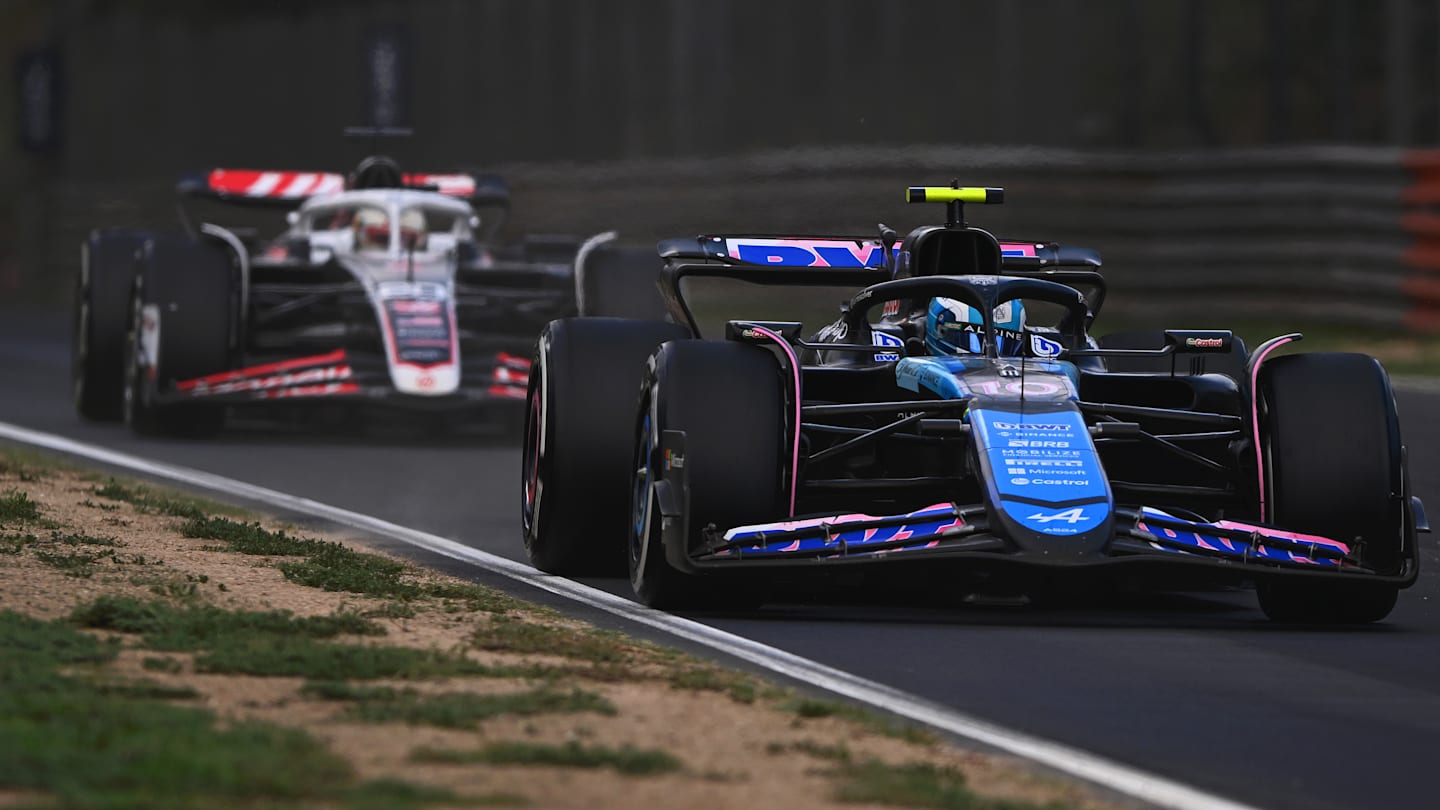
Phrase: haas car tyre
(615, 281)
(577, 448)
(1334, 467)
(102, 305)
(179, 328)
(728, 400)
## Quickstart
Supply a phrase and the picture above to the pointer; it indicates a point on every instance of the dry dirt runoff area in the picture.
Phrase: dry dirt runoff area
(161, 651)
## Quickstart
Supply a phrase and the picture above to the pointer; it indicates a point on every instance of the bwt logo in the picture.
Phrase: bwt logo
(1013, 426)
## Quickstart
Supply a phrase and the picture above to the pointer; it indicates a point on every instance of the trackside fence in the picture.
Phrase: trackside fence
(1348, 235)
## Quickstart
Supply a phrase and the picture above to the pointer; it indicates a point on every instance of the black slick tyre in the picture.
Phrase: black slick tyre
(101, 308)
(179, 328)
(1333, 467)
(578, 441)
(729, 401)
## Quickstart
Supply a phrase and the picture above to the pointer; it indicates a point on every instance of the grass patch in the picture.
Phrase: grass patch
(277, 643)
(155, 502)
(145, 689)
(27, 465)
(392, 794)
(506, 634)
(833, 753)
(462, 710)
(16, 507)
(78, 564)
(627, 760)
(157, 663)
(94, 745)
(16, 543)
(176, 628)
(916, 784)
(334, 567)
(878, 723)
(740, 687)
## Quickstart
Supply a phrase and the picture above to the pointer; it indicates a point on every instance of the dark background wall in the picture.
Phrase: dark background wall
(143, 89)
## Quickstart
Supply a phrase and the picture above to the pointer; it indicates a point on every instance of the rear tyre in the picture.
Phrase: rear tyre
(579, 439)
(102, 306)
(619, 282)
(1334, 467)
(729, 401)
(178, 329)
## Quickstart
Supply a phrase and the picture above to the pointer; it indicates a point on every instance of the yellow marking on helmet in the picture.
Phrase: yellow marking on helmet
(972, 194)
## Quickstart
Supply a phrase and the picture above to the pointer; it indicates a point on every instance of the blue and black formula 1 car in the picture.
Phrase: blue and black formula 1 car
(957, 425)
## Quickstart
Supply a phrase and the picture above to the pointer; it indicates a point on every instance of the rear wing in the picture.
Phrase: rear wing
(851, 252)
(286, 189)
(847, 260)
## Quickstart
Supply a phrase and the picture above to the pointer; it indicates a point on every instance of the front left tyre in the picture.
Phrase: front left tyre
(179, 328)
(728, 399)
(101, 309)
(575, 460)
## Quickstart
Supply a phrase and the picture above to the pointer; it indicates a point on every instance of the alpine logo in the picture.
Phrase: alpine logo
(1071, 516)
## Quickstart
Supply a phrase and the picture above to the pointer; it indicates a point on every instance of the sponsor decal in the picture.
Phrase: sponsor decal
(1204, 343)
(309, 377)
(1037, 443)
(1029, 426)
(422, 331)
(674, 460)
(1071, 516)
(1044, 347)
(887, 340)
(832, 252)
(1020, 481)
(323, 390)
(806, 252)
(891, 309)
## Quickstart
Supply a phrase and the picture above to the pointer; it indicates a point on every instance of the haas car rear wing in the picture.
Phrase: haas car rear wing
(287, 189)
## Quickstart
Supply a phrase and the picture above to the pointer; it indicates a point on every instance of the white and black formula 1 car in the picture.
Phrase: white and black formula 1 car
(386, 292)
(958, 428)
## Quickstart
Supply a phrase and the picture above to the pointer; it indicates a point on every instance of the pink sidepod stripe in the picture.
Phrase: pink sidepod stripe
(795, 443)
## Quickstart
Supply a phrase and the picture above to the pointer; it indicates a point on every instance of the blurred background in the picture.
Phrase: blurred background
(1251, 160)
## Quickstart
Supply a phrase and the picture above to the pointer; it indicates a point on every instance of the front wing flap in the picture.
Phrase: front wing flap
(952, 529)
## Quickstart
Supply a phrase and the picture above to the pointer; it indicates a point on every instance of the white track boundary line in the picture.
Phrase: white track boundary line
(1121, 778)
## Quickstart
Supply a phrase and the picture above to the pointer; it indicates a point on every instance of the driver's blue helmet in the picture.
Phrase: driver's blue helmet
(952, 327)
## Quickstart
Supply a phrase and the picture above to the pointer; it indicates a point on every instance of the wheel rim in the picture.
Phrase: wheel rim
(640, 489)
(131, 393)
(81, 349)
(530, 466)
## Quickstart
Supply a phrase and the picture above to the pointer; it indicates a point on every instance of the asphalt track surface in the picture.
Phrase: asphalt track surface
(1197, 687)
